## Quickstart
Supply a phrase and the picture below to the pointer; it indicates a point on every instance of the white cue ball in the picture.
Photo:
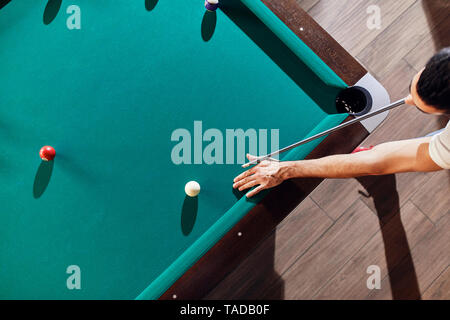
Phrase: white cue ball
(192, 188)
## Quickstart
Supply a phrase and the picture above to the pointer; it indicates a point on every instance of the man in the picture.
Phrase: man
(429, 92)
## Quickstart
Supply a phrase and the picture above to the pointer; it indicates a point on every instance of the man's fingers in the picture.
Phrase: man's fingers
(241, 182)
(255, 191)
(250, 158)
(245, 174)
(248, 185)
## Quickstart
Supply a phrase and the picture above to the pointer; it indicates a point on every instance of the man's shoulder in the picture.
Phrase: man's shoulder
(446, 133)
(440, 148)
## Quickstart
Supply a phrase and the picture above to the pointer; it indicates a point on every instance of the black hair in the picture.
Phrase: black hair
(433, 86)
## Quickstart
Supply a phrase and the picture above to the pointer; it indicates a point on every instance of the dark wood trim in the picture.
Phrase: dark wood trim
(230, 251)
(315, 37)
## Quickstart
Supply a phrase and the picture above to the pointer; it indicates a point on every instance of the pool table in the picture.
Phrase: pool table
(138, 98)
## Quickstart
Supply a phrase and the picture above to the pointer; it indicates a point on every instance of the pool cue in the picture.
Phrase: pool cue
(324, 133)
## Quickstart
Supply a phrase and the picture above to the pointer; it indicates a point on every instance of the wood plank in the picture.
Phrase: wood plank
(319, 264)
(433, 197)
(297, 233)
(433, 10)
(430, 258)
(404, 123)
(329, 13)
(307, 4)
(399, 39)
(275, 254)
(346, 20)
(440, 289)
(253, 273)
(385, 195)
(398, 79)
(386, 249)
(420, 54)
(437, 39)
(335, 196)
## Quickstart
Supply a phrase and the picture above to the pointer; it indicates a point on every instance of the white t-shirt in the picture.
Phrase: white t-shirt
(440, 148)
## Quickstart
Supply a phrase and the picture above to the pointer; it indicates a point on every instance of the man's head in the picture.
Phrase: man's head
(430, 88)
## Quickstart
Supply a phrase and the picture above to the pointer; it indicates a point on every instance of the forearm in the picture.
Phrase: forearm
(387, 158)
(336, 166)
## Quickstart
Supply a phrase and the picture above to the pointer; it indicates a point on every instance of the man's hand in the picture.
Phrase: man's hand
(267, 174)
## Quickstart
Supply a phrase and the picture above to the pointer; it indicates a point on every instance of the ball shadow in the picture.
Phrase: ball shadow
(42, 178)
(51, 11)
(150, 4)
(209, 23)
(4, 3)
(189, 214)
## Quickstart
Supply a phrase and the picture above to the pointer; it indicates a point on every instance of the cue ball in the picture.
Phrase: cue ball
(192, 188)
(47, 153)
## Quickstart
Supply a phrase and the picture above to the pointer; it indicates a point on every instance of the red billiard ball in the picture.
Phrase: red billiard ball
(47, 153)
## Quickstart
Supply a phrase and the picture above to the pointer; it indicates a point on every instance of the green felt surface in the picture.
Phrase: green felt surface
(108, 98)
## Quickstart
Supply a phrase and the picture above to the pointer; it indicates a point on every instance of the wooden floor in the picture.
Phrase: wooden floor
(400, 223)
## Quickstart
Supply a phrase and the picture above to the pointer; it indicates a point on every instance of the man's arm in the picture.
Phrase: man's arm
(391, 157)
(387, 158)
